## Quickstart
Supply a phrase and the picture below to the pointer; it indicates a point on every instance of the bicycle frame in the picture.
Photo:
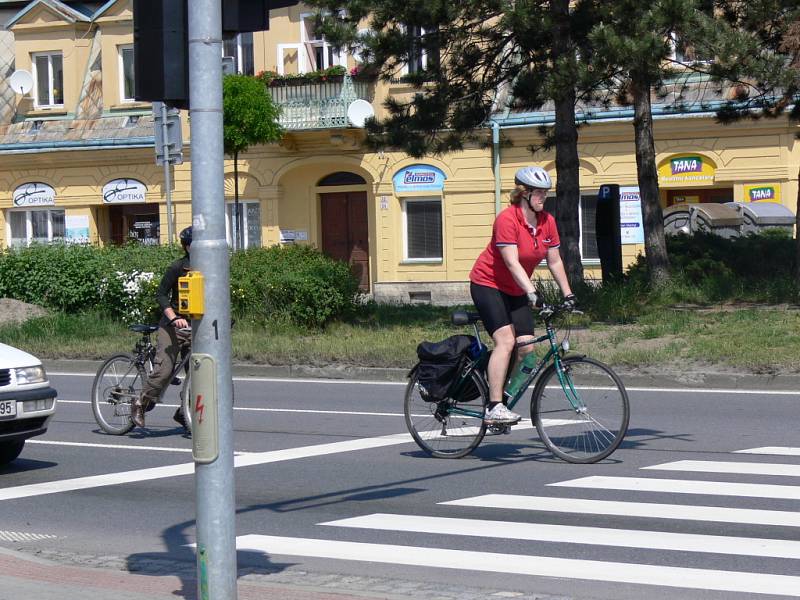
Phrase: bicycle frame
(553, 354)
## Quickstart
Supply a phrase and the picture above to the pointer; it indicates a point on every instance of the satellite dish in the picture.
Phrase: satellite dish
(21, 81)
(358, 112)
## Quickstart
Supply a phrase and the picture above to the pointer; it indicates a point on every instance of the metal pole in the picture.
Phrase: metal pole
(216, 538)
(167, 182)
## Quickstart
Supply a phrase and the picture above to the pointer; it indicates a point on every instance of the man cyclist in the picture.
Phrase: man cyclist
(173, 339)
(523, 235)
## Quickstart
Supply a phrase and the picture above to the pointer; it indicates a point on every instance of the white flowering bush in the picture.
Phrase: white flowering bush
(131, 295)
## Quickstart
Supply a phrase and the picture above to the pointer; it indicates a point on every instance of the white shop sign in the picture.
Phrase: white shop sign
(124, 191)
(34, 194)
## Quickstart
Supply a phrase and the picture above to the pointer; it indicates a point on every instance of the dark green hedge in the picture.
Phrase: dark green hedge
(296, 282)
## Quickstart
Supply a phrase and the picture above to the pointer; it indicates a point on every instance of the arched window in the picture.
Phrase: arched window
(342, 178)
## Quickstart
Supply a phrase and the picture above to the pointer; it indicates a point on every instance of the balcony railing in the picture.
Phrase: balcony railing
(318, 104)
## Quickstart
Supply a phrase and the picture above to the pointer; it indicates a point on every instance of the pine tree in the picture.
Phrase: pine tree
(634, 42)
(483, 57)
(757, 49)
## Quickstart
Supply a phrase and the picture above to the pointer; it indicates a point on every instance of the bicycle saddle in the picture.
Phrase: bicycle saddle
(462, 317)
(139, 328)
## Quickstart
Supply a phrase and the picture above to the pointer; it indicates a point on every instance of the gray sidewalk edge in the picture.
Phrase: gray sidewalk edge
(650, 378)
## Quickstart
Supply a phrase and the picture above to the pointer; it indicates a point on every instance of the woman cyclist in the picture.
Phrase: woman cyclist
(500, 281)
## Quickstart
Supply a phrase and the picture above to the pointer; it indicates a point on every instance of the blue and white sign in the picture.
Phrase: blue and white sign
(77, 229)
(124, 191)
(419, 178)
(630, 216)
(34, 194)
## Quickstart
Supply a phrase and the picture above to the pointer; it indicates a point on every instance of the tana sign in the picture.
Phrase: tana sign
(124, 191)
(762, 192)
(682, 169)
(34, 194)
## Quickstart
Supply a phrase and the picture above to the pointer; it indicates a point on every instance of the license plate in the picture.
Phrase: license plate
(8, 408)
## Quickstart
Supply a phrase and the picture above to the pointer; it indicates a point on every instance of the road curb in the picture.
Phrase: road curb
(631, 377)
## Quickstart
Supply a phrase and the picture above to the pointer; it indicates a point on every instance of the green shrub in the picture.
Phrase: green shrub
(119, 281)
(65, 277)
(297, 283)
(707, 268)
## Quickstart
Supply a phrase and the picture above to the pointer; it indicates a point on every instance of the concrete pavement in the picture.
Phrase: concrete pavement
(27, 577)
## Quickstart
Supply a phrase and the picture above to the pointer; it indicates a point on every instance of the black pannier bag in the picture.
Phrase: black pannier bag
(439, 365)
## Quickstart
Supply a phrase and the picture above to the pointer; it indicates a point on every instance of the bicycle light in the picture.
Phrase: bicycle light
(565, 345)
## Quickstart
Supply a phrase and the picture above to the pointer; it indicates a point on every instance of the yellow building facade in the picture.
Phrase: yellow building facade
(78, 160)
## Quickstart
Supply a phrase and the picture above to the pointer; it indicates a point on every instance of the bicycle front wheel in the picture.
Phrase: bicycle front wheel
(186, 399)
(446, 429)
(118, 381)
(580, 410)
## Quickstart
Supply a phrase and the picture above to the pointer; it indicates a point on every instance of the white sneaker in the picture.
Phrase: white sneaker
(499, 413)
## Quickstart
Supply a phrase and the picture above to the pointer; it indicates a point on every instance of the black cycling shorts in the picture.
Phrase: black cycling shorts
(498, 309)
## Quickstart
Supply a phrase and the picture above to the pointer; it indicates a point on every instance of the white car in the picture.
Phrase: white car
(27, 402)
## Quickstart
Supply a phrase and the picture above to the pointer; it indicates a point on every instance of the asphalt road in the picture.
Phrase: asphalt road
(679, 511)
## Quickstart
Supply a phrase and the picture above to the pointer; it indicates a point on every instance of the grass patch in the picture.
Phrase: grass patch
(763, 340)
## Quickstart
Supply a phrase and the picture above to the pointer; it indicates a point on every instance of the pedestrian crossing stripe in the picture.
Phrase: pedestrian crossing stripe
(571, 534)
(773, 450)
(521, 564)
(738, 468)
(683, 486)
(719, 514)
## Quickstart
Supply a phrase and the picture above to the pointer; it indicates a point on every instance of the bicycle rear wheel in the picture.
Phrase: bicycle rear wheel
(118, 381)
(446, 429)
(585, 419)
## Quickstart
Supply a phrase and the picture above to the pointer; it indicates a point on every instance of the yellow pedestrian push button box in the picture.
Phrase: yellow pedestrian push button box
(190, 294)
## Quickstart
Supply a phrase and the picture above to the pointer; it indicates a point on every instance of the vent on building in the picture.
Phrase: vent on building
(420, 297)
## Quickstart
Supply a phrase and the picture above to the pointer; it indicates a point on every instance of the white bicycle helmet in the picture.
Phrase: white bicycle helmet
(534, 177)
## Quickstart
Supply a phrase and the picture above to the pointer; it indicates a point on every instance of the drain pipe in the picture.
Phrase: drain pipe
(496, 163)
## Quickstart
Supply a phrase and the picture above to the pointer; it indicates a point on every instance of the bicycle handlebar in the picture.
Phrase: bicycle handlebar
(548, 311)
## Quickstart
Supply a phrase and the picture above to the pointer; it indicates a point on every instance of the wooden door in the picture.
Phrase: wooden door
(345, 231)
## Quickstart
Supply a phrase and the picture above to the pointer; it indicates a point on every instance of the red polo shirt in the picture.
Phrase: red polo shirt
(511, 229)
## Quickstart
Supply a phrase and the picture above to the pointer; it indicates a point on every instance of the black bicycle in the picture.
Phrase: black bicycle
(120, 378)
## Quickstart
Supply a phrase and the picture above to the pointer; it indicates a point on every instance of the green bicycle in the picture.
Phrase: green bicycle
(579, 405)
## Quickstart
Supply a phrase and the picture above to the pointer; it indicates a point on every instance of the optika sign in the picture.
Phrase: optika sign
(124, 191)
(419, 177)
(686, 164)
(762, 193)
(34, 194)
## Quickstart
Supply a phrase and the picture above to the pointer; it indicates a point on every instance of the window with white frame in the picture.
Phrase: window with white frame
(239, 46)
(48, 78)
(319, 53)
(40, 225)
(586, 224)
(249, 223)
(126, 81)
(422, 229)
(420, 57)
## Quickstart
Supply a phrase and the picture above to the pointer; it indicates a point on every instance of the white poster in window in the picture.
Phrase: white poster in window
(77, 229)
(631, 224)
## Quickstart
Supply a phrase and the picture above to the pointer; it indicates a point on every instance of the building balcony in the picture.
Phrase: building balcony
(318, 104)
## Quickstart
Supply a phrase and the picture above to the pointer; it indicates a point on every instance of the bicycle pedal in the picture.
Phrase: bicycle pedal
(498, 429)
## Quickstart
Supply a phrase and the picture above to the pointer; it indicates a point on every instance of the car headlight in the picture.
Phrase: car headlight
(28, 375)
